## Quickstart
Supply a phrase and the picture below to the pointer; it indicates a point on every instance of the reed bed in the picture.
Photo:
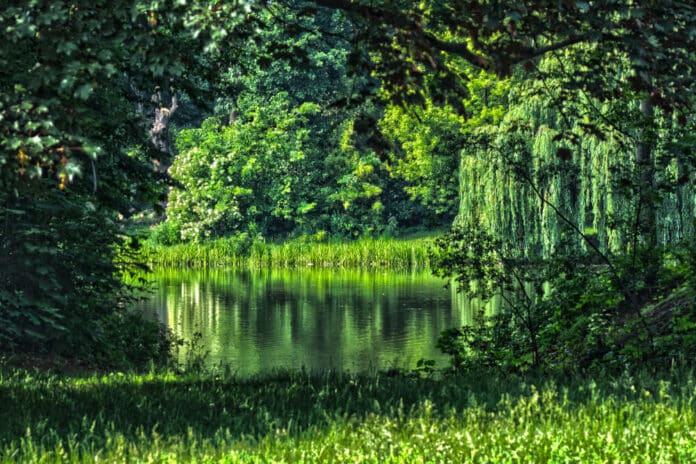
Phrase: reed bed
(209, 254)
(333, 417)
(363, 253)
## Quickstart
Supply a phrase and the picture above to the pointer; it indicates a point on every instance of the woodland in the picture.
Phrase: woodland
(547, 146)
(557, 149)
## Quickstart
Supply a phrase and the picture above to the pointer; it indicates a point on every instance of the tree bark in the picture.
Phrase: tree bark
(159, 132)
(646, 176)
(645, 231)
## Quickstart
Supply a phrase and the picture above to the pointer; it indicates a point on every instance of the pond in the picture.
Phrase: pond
(259, 321)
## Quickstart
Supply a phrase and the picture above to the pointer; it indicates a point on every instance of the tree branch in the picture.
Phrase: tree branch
(405, 23)
(533, 53)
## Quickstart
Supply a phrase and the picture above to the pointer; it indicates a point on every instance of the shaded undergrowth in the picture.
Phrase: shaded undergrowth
(334, 417)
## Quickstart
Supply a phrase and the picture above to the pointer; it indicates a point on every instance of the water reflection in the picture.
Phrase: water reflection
(257, 321)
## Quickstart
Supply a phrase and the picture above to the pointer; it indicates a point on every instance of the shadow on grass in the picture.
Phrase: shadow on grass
(203, 406)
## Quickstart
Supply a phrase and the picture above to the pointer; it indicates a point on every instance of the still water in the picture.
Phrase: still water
(258, 321)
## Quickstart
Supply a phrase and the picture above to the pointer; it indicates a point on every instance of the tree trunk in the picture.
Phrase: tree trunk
(159, 132)
(646, 166)
(646, 226)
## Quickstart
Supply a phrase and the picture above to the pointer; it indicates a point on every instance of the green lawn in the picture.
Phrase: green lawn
(331, 417)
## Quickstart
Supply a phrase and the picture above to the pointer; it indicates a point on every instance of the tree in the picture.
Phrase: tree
(74, 158)
(650, 44)
(248, 177)
(656, 36)
(307, 122)
(73, 73)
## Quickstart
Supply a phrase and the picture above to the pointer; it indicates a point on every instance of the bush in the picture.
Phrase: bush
(570, 313)
(165, 233)
(62, 259)
(129, 341)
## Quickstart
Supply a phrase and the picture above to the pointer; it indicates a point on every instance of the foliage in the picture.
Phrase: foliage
(71, 165)
(568, 313)
(49, 284)
(267, 176)
(485, 266)
(530, 176)
(296, 416)
(301, 125)
(59, 61)
(565, 227)
(430, 139)
(75, 156)
(654, 37)
(252, 170)
(128, 341)
(61, 293)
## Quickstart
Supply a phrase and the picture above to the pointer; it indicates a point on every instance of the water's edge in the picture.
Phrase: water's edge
(260, 321)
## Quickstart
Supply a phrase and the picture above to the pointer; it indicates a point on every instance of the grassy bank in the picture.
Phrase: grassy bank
(363, 253)
(330, 417)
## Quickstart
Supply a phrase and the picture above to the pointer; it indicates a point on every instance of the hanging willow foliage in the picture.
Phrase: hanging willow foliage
(517, 176)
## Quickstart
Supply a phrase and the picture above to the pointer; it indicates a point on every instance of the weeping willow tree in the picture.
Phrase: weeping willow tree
(550, 169)
(526, 181)
(544, 182)
(586, 165)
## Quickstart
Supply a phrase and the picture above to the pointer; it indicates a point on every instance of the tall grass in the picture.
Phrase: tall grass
(331, 417)
(209, 254)
(363, 253)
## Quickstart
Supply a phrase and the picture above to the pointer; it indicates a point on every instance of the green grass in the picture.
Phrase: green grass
(364, 253)
(332, 417)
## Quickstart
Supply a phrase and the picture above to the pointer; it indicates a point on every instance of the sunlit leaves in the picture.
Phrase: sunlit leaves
(242, 176)
(409, 41)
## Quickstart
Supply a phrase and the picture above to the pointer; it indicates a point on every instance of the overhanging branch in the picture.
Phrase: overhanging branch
(405, 23)
(411, 26)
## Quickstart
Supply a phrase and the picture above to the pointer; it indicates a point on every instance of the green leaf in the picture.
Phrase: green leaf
(83, 92)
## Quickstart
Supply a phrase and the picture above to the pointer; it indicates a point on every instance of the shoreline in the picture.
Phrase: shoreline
(392, 254)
